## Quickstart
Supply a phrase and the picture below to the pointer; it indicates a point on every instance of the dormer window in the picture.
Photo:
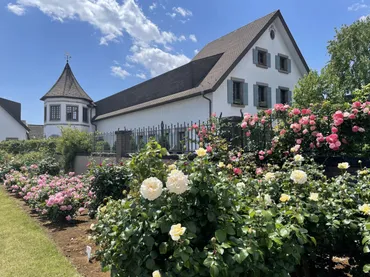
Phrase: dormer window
(72, 113)
(261, 57)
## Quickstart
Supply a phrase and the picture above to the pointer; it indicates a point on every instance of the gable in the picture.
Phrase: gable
(13, 109)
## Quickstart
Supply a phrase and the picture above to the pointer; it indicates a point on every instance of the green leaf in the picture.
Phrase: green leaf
(366, 268)
(163, 248)
(284, 232)
(220, 235)
(214, 270)
(230, 230)
(149, 241)
(367, 226)
(313, 240)
(191, 226)
(184, 256)
(366, 249)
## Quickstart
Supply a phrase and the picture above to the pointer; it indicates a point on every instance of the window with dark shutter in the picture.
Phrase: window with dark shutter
(237, 93)
(45, 113)
(54, 112)
(85, 115)
(262, 96)
(72, 113)
(262, 58)
(284, 96)
(283, 63)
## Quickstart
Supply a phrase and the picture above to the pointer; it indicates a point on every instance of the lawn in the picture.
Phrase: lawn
(25, 249)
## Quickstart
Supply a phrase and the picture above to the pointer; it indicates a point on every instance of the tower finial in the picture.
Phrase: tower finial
(68, 57)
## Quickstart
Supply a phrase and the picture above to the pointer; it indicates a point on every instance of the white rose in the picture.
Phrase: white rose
(343, 165)
(151, 188)
(177, 182)
(267, 199)
(240, 185)
(269, 176)
(177, 231)
(298, 177)
(156, 273)
(298, 158)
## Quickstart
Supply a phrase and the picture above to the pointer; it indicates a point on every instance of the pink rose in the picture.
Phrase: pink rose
(269, 152)
(296, 111)
(237, 171)
(355, 111)
(261, 158)
(268, 112)
(68, 218)
(305, 131)
(334, 130)
(356, 104)
(248, 134)
(259, 171)
(355, 129)
(298, 141)
(81, 210)
(306, 111)
(312, 146)
(352, 116)
(244, 125)
(282, 132)
(209, 148)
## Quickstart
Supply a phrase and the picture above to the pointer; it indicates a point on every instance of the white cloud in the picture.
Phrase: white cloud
(193, 38)
(196, 51)
(141, 76)
(109, 16)
(156, 60)
(182, 38)
(358, 6)
(183, 12)
(16, 9)
(173, 15)
(153, 6)
(119, 72)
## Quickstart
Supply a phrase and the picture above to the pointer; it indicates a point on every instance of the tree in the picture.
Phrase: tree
(350, 55)
(347, 71)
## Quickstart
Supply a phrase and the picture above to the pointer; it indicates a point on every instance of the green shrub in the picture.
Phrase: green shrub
(25, 146)
(49, 166)
(71, 142)
(108, 181)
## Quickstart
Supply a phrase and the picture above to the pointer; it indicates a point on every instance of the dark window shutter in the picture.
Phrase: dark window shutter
(269, 100)
(255, 95)
(289, 61)
(289, 97)
(230, 94)
(245, 94)
(268, 57)
(277, 62)
(255, 56)
(278, 96)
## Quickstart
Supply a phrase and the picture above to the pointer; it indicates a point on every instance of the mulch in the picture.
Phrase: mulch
(71, 239)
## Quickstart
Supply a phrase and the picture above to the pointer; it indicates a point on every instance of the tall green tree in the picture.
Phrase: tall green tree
(347, 71)
(350, 55)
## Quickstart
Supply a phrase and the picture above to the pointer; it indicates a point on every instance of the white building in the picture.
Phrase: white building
(11, 125)
(67, 104)
(246, 70)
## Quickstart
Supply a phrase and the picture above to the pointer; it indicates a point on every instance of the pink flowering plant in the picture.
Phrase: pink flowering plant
(315, 130)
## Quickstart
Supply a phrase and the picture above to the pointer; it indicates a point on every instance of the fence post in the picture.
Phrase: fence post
(123, 143)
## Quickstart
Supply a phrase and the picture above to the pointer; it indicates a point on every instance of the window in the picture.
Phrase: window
(284, 98)
(54, 112)
(72, 113)
(283, 63)
(45, 114)
(262, 57)
(272, 34)
(85, 116)
(237, 93)
(262, 96)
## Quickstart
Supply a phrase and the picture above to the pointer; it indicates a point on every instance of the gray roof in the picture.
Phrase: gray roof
(36, 131)
(14, 109)
(67, 86)
(225, 53)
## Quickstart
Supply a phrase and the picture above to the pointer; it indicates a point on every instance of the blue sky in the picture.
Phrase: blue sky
(116, 44)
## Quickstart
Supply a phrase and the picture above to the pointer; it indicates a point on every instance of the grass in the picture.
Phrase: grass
(25, 249)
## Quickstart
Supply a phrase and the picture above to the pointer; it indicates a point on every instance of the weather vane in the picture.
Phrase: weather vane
(68, 57)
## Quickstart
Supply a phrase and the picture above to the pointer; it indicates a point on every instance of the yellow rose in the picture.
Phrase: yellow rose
(284, 197)
(221, 165)
(177, 231)
(314, 196)
(201, 152)
(343, 165)
(365, 208)
(229, 166)
(156, 273)
(363, 172)
(298, 177)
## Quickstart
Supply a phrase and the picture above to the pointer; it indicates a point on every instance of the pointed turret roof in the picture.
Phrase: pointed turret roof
(67, 86)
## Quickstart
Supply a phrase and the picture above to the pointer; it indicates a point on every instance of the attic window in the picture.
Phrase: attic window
(272, 34)
(262, 59)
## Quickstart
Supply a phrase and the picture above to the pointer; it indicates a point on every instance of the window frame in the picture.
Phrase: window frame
(51, 112)
(286, 92)
(85, 120)
(45, 113)
(285, 60)
(259, 85)
(240, 86)
(72, 119)
(264, 52)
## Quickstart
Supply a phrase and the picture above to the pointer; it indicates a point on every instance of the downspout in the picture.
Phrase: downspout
(210, 104)
(91, 121)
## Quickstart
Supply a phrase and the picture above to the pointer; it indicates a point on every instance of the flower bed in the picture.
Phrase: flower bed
(56, 198)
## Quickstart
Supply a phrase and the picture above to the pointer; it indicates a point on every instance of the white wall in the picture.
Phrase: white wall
(53, 127)
(192, 109)
(248, 71)
(10, 128)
